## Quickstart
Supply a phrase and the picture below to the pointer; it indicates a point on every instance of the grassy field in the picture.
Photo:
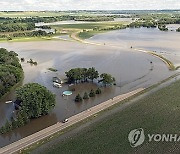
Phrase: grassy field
(91, 25)
(156, 113)
(31, 14)
(88, 27)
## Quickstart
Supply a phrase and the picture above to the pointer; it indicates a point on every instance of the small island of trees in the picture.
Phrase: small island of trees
(80, 75)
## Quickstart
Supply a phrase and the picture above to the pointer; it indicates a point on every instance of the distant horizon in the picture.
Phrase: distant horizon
(65, 5)
(88, 10)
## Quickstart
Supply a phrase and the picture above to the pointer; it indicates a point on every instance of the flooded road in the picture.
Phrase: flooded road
(131, 69)
(164, 43)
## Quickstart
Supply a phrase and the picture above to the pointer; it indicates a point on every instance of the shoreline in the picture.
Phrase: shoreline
(168, 63)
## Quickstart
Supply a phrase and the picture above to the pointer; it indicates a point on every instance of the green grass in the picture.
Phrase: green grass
(86, 35)
(31, 14)
(90, 25)
(156, 113)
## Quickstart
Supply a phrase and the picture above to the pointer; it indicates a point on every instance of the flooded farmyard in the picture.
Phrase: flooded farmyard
(132, 70)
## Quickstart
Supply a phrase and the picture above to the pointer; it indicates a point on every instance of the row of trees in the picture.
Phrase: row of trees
(25, 34)
(148, 24)
(35, 101)
(110, 28)
(86, 96)
(94, 18)
(84, 74)
(57, 18)
(10, 70)
(13, 27)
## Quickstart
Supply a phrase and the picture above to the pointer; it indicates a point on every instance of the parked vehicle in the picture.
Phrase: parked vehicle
(57, 85)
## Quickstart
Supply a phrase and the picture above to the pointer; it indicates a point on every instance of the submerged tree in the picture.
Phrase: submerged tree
(85, 96)
(36, 100)
(107, 79)
(92, 93)
(98, 91)
(93, 74)
(78, 98)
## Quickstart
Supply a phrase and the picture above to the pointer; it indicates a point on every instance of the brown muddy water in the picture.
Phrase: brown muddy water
(131, 70)
(164, 43)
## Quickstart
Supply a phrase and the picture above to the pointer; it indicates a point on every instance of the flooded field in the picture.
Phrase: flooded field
(164, 43)
(131, 69)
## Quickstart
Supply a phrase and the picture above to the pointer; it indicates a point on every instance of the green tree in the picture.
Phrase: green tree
(93, 74)
(36, 100)
(98, 91)
(107, 79)
(14, 123)
(8, 126)
(10, 70)
(85, 96)
(2, 130)
(92, 93)
(78, 98)
(20, 120)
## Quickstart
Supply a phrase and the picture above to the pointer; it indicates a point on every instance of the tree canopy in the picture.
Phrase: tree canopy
(107, 79)
(10, 70)
(81, 74)
(36, 100)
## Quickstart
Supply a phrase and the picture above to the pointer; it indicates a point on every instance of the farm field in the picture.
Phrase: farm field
(159, 114)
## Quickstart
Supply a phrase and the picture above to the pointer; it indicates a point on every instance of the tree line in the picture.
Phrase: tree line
(13, 27)
(86, 96)
(25, 34)
(11, 71)
(77, 75)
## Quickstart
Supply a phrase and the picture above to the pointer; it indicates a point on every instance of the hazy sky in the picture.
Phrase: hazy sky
(88, 4)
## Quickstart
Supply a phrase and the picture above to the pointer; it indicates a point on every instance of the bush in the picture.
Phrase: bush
(85, 96)
(78, 98)
(98, 91)
(92, 93)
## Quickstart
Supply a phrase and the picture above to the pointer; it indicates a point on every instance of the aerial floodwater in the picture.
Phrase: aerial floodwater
(164, 43)
(132, 69)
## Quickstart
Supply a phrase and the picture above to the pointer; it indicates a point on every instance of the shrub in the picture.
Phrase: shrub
(78, 98)
(85, 96)
(98, 91)
(92, 93)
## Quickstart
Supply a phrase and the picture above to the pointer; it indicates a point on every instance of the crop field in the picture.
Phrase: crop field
(91, 25)
(156, 113)
(31, 14)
